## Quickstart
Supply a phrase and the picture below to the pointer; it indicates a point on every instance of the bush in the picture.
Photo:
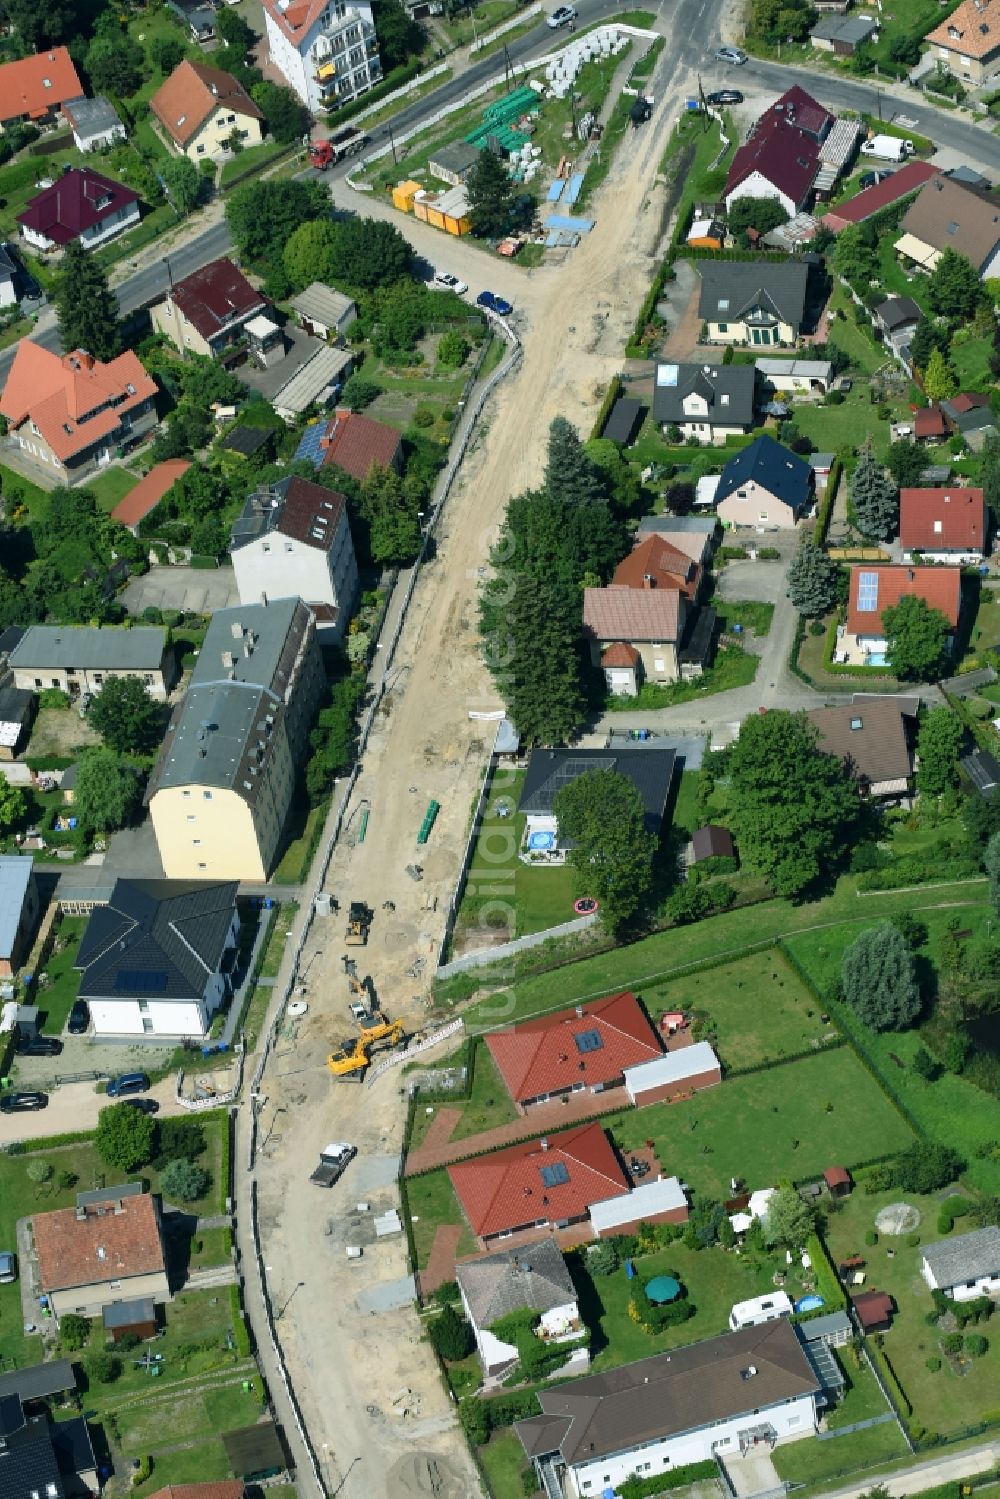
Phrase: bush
(835, 398)
(53, 697)
(142, 1470)
(446, 1293)
(453, 350)
(127, 1342)
(604, 1259)
(475, 1419)
(39, 1171)
(178, 1140)
(933, 1364)
(871, 1238)
(913, 1240)
(976, 1345)
(74, 1332)
(423, 417)
(952, 1342)
(104, 1367)
(359, 392)
(184, 1181)
(451, 1335)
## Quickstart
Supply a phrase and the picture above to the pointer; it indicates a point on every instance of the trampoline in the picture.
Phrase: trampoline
(663, 1289)
(585, 906)
(539, 841)
(809, 1303)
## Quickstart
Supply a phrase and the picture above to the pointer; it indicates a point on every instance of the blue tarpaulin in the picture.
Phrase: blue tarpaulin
(629, 1270)
(564, 221)
(555, 191)
(573, 191)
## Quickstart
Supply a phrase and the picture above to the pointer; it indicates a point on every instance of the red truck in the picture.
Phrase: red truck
(346, 142)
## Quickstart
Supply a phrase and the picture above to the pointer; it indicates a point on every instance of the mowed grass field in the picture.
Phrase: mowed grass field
(790, 1121)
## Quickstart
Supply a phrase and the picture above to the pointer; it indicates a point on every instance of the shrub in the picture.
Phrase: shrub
(604, 1259)
(178, 1140)
(423, 417)
(933, 1364)
(53, 697)
(976, 1345)
(451, 1335)
(127, 1342)
(74, 1332)
(39, 1171)
(835, 398)
(871, 1238)
(446, 1293)
(142, 1470)
(104, 1367)
(475, 1419)
(913, 1240)
(952, 1342)
(184, 1181)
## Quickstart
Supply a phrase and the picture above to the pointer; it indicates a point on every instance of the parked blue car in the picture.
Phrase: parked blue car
(496, 304)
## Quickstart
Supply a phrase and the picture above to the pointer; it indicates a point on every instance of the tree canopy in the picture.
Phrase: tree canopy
(954, 286)
(916, 640)
(601, 813)
(879, 979)
(182, 180)
(874, 495)
(939, 744)
(288, 119)
(107, 791)
(13, 804)
(812, 580)
(399, 36)
(492, 195)
(762, 214)
(86, 309)
(124, 1137)
(793, 808)
(940, 381)
(788, 1220)
(125, 716)
(263, 215)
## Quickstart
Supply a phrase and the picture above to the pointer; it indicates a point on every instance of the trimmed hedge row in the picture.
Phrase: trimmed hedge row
(390, 83)
(613, 392)
(826, 509)
(897, 1394)
(827, 1281)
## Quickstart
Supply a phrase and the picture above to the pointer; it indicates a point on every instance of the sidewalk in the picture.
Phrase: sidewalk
(917, 1477)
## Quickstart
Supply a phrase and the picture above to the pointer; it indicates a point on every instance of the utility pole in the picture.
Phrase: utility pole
(392, 143)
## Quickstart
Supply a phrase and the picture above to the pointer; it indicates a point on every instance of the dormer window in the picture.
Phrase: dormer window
(46, 83)
(130, 389)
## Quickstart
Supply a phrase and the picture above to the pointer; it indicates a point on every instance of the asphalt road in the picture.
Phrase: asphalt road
(693, 30)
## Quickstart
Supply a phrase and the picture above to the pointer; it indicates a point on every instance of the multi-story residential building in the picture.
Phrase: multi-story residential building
(223, 784)
(208, 310)
(326, 49)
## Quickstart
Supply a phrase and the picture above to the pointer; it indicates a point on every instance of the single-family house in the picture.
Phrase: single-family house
(766, 486)
(18, 911)
(94, 123)
(649, 621)
(147, 494)
(967, 42)
(82, 205)
(943, 525)
(18, 707)
(209, 309)
(843, 35)
(199, 107)
(292, 539)
(535, 1186)
(708, 402)
(655, 562)
(74, 413)
(327, 53)
(661, 1200)
(586, 1048)
(156, 961)
(781, 159)
(750, 302)
(356, 444)
(223, 784)
(39, 1456)
(947, 216)
(534, 1279)
(893, 188)
(673, 1074)
(724, 1396)
(964, 1267)
(81, 658)
(35, 88)
(651, 772)
(970, 415)
(694, 534)
(861, 640)
(323, 311)
(874, 737)
(108, 1248)
(897, 319)
(8, 278)
(929, 424)
(874, 1311)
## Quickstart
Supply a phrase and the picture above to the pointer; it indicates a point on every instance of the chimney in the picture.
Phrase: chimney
(236, 630)
(543, 1143)
(579, 1012)
(263, 601)
(648, 581)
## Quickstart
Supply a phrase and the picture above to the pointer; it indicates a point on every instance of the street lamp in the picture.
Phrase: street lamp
(278, 1315)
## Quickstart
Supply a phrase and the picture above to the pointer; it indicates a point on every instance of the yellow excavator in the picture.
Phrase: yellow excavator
(353, 1057)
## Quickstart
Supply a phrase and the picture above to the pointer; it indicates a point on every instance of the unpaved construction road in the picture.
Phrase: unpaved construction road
(357, 1363)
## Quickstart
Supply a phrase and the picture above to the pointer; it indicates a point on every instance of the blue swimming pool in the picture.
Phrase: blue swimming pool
(541, 840)
(877, 658)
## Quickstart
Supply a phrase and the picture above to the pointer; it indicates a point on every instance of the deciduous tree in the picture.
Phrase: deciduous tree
(602, 816)
(263, 215)
(184, 1181)
(939, 377)
(287, 118)
(879, 980)
(855, 257)
(107, 791)
(86, 309)
(124, 1137)
(125, 716)
(939, 745)
(788, 1220)
(812, 581)
(165, 52)
(234, 31)
(13, 805)
(368, 253)
(793, 808)
(762, 214)
(906, 462)
(399, 36)
(182, 179)
(875, 496)
(916, 640)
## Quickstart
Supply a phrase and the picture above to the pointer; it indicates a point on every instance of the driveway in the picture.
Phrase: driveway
(300, 347)
(187, 588)
(752, 1473)
(75, 1107)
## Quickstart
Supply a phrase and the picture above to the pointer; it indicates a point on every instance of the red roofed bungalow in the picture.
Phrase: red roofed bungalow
(567, 1051)
(929, 424)
(944, 525)
(538, 1185)
(894, 187)
(874, 589)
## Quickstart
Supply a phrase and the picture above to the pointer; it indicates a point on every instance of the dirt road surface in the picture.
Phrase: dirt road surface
(348, 1354)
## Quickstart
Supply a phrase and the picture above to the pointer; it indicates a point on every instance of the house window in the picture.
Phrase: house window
(207, 795)
(39, 682)
(267, 546)
(185, 793)
(200, 150)
(148, 679)
(723, 327)
(98, 677)
(202, 866)
(658, 664)
(190, 816)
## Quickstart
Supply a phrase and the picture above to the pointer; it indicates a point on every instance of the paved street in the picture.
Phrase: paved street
(75, 1106)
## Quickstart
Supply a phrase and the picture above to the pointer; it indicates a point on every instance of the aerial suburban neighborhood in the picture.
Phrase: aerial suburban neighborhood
(499, 749)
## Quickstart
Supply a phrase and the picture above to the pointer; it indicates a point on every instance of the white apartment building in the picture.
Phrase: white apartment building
(326, 49)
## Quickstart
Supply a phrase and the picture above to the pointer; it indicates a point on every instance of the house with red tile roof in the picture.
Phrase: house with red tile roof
(538, 1185)
(943, 525)
(73, 412)
(108, 1248)
(208, 310)
(148, 493)
(657, 562)
(356, 443)
(35, 88)
(861, 640)
(327, 54)
(199, 107)
(893, 188)
(83, 205)
(968, 41)
(586, 1047)
(929, 424)
(293, 540)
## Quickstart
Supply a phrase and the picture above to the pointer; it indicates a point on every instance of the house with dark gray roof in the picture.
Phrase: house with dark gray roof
(707, 402)
(964, 1267)
(765, 486)
(41, 1458)
(156, 961)
(748, 1389)
(80, 658)
(651, 772)
(753, 302)
(531, 1278)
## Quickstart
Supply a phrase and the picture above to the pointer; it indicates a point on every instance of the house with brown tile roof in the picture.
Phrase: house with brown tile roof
(199, 108)
(657, 562)
(968, 42)
(34, 88)
(587, 1047)
(649, 619)
(874, 738)
(861, 640)
(147, 494)
(947, 216)
(208, 310)
(74, 412)
(356, 444)
(100, 1252)
(946, 524)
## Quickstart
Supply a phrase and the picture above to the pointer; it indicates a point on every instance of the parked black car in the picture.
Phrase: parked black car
(79, 1019)
(725, 96)
(144, 1105)
(18, 1103)
(38, 1046)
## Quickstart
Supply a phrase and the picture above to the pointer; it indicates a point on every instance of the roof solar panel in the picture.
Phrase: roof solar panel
(141, 981)
(588, 1041)
(555, 1175)
(309, 444)
(867, 592)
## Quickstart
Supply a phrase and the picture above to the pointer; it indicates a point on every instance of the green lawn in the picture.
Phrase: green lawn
(112, 485)
(985, 632)
(489, 1104)
(171, 1419)
(21, 491)
(971, 363)
(194, 1341)
(201, 1462)
(432, 1202)
(211, 1246)
(280, 932)
(946, 1400)
(833, 427)
(300, 834)
(756, 1009)
(865, 355)
(811, 1462)
(685, 812)
(55, 998)
(504, 1460)
(733, 667)
(821, 1111)
(253, 159)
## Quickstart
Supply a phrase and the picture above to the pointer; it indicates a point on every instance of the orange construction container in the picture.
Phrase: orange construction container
(420, 208)
(435, 216)
(403, 195)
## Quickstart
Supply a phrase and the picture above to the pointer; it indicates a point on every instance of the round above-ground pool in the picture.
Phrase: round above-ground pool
(538, 841)
(662, 1289)
(809, 1303)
